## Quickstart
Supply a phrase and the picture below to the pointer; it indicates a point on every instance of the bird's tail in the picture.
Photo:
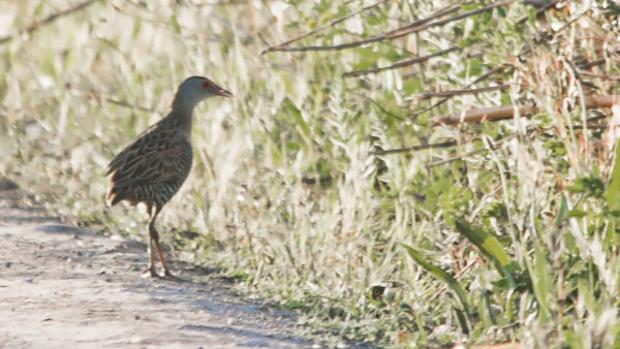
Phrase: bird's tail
(115, 195)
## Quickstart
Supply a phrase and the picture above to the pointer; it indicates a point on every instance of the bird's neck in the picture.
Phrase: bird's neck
(182, 110)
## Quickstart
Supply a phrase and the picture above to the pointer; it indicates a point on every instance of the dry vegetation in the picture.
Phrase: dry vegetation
(332, 183)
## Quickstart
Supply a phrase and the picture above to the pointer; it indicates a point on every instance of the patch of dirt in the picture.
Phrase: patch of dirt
(66, 287)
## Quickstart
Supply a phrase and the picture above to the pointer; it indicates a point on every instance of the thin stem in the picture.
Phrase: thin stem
(323, 27)
(452, 93)
(446, 144)
(47, 20)
(400, 64)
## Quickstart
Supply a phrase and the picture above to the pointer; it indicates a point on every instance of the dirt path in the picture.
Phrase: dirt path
(64, 287)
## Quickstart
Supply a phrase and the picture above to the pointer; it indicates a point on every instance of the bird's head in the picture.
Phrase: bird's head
(196, 89)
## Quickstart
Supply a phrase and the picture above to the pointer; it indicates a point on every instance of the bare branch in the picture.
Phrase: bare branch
(99, 97)
(495, 145)
(484, 114)
(415, 148)
(414, 27)
(541, 8)
(452, 93)
(400, 64)
(592, 64)
(600, 76)
(393, 34)
(323, 27)
(507, 112)
(444, 11)
(440, 102)
(47, 20)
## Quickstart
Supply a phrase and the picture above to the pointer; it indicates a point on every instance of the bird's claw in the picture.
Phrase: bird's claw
(150, 273)
(168, 275)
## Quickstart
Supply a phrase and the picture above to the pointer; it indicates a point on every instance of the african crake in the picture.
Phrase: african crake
(153, 167)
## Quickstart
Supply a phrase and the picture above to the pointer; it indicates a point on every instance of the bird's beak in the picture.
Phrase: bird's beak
(223, 93)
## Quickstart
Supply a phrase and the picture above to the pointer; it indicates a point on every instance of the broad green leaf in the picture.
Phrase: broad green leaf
(291, 109)
(485, 242)
(175, 24)
(562, 210)
(440, 274)
(490, 247)
(485, 309)
(137, 26)
(542, 283)
(590, 185)
(612, 193)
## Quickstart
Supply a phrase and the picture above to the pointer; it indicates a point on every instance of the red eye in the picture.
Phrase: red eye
(206, 84)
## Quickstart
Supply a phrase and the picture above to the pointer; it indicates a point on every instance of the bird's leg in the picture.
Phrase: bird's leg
(150, 270)
(155, 240)
(159, 252)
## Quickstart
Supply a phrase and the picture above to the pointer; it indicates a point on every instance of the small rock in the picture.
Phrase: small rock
(116, 237)
(59, 228)
(135, 340)
(7, 264)
(7, 184)
(256, 343)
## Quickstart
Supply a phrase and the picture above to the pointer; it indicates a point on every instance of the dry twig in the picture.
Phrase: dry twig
(442, 101)
(400, 64)
(494, 145)
(323, 27)
(446, 144)
(99, 97)
(507, 112)
(452, 93)
(47, 20)
(414, 27)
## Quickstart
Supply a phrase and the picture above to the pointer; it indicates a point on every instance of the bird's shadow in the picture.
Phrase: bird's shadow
(206, 290)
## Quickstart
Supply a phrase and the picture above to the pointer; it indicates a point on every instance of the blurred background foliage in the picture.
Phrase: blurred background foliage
(327, 185)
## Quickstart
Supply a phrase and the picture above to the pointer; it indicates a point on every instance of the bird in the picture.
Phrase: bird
(153, 167)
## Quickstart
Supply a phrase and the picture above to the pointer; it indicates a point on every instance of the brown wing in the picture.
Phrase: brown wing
(140, 145)
(154, 158)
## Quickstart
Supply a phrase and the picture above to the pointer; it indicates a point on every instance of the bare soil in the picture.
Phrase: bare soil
(67, 287)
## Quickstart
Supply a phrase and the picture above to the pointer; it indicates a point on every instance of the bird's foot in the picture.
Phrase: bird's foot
(150, 272)
(168, 276)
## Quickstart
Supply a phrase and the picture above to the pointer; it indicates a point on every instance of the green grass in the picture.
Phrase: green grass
(287, 193)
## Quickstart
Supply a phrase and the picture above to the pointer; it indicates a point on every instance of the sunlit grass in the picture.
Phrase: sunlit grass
(286, 193)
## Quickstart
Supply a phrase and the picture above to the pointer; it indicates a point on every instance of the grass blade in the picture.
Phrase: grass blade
(490, 247)
(440, 274)
(542, 283)
(612, 194)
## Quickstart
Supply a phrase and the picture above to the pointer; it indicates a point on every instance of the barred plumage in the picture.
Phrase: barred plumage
(153, 167)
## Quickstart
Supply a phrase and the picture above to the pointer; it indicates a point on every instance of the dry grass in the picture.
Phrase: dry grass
(286, 192)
